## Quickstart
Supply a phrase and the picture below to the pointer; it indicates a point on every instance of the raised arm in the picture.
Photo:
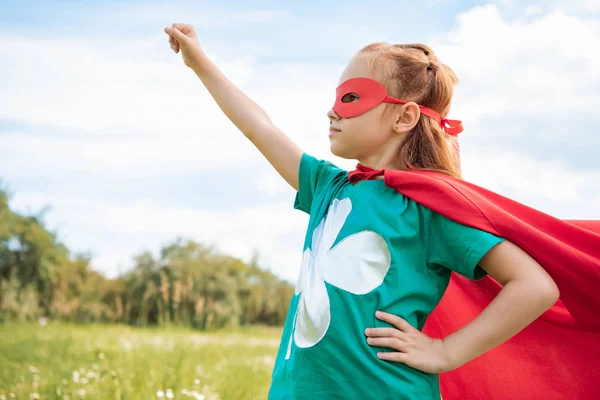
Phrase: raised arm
(283, 154)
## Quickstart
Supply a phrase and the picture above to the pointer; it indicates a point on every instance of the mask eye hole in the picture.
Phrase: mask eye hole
(350, 97)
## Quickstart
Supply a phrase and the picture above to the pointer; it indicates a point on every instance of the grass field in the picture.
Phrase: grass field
(119, 362)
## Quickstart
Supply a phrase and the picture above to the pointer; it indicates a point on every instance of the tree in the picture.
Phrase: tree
(187, 284)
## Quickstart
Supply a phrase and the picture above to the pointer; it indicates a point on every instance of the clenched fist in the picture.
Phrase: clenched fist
(183, 37)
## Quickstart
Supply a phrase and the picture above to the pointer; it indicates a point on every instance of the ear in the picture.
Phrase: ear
(407, 117)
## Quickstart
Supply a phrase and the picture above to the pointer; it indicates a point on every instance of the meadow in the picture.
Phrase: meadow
(65, 361)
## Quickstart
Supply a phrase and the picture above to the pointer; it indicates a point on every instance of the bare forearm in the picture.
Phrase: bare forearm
(246, 115)
(239, 108)
(516, 306)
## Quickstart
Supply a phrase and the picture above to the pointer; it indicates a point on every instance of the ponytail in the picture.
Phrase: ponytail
(412, 72)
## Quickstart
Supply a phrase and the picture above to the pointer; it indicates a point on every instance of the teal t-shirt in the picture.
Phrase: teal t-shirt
(367, 248)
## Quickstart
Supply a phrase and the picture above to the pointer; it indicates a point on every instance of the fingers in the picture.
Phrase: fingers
(392, 343)
(397, 357)
(185, 28)
(385, 332)
(174, 45)
(180, 35)
(174, 33)
(394, 320)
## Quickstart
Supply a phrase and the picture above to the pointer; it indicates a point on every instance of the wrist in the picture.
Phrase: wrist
(452, 358)
(199, 61)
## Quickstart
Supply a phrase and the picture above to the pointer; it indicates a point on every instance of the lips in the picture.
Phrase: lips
(333, 130)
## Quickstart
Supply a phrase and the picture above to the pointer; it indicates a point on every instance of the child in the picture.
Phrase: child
(376, 262)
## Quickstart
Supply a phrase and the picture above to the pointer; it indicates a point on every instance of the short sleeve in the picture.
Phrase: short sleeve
(458, 247)
(313, 176)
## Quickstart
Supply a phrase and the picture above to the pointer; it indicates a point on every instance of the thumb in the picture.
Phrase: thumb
(176, 34)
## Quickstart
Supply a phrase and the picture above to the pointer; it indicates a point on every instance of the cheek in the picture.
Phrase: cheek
(369, 132)
(379, 137)
(355, 141)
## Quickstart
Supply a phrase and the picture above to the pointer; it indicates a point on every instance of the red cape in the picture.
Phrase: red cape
(557, 356)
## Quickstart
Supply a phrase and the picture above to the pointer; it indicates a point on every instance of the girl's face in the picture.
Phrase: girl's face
(364, 136)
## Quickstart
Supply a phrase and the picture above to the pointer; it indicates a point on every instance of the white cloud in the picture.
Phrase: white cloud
(85, 87)
(510, 68)
(147, 116)
(581, 7)
(534, 9)
(514, 74)
(551, 187)
(132, 108)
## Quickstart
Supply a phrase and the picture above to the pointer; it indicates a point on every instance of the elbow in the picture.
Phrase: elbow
(549, 292)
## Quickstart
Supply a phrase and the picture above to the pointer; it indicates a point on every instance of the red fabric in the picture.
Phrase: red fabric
(371, 93)
(557, 356)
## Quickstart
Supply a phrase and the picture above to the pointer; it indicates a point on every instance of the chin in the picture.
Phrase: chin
(339, 152)
(335, 149)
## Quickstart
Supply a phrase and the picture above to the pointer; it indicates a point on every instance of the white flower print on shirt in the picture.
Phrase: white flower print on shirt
(357, 264)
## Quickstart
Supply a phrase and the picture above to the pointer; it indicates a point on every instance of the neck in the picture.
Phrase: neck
(385, 157)
(376, 163)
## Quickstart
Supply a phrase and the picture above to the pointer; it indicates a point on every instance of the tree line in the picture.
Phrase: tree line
(188, 284)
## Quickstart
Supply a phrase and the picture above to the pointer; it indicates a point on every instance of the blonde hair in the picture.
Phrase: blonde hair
(412, 72)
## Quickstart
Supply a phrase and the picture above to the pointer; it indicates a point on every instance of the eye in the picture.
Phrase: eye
(349, 98)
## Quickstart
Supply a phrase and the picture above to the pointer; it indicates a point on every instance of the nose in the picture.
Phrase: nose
(332, 115)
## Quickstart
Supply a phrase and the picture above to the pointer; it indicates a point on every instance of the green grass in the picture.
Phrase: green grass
(118, 362)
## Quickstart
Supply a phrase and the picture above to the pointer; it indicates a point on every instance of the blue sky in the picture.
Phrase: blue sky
(102, 121)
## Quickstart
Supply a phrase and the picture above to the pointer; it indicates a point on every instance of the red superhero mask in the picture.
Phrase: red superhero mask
(371, 93)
